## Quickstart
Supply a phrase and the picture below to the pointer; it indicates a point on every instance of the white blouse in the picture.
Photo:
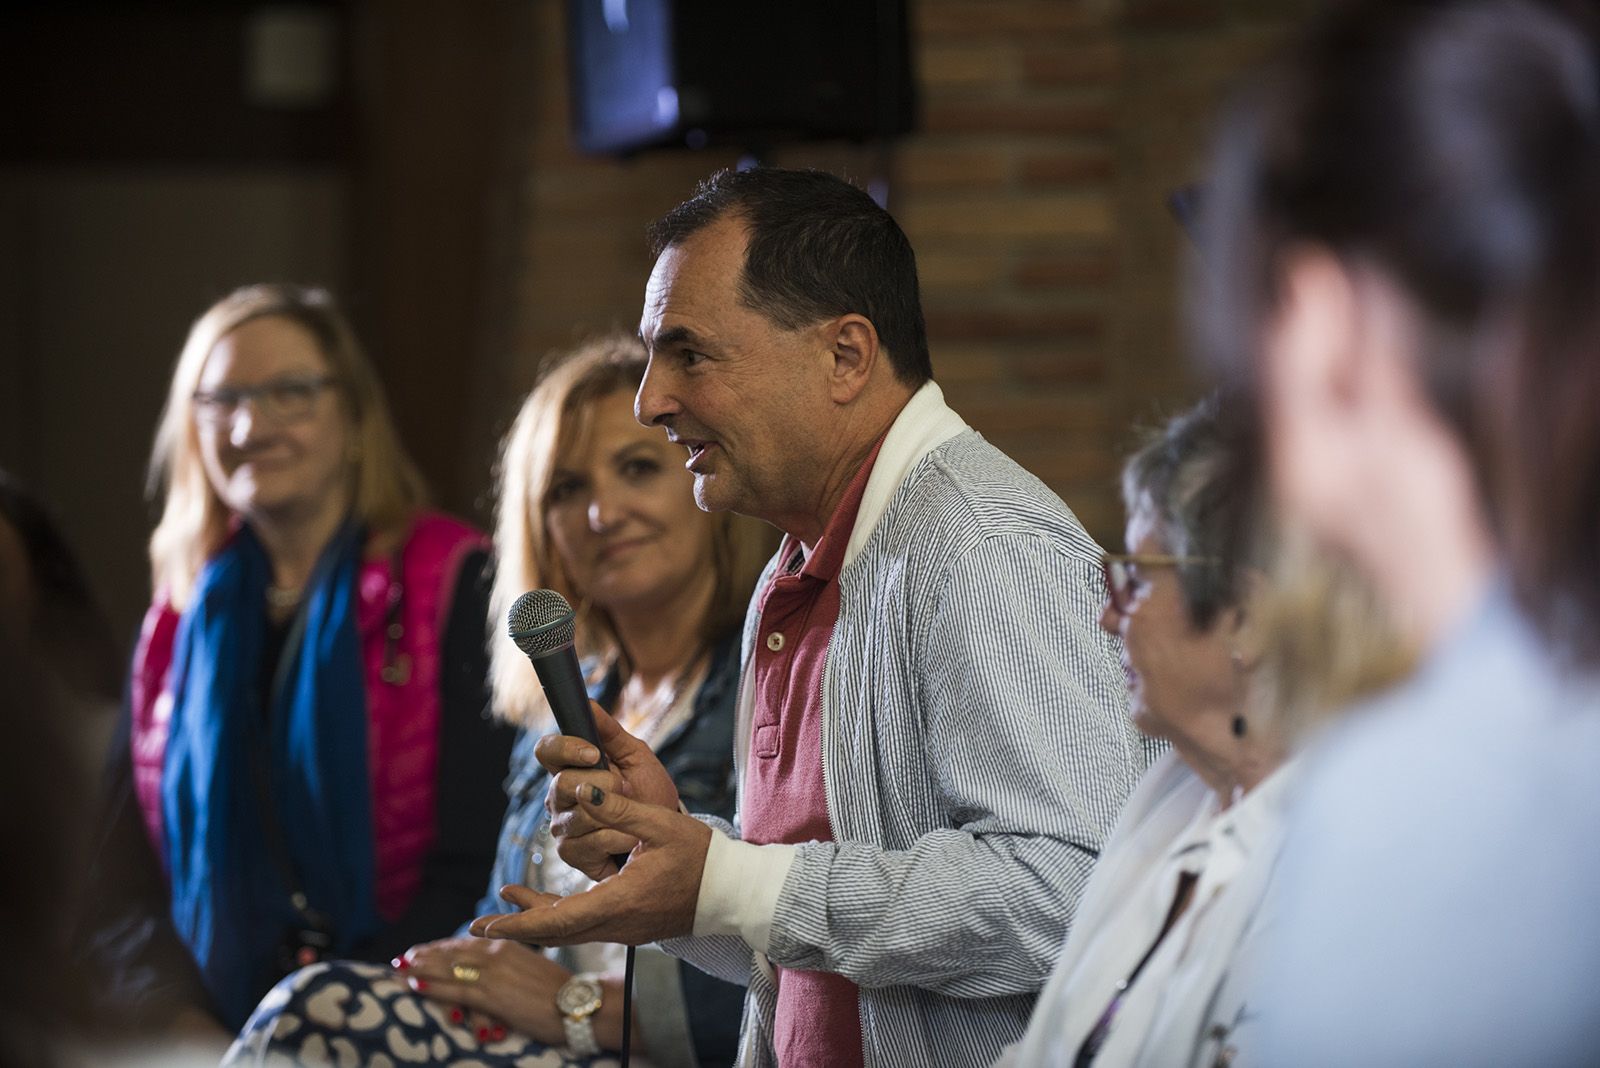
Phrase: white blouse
(1185, 1006)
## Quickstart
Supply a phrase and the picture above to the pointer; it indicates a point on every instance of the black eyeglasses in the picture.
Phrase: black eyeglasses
(1122, 578)
(284, 400)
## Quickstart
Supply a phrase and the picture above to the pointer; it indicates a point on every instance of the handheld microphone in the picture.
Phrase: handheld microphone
(543, 625)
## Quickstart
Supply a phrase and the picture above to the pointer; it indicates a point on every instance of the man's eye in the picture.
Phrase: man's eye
(690, 358)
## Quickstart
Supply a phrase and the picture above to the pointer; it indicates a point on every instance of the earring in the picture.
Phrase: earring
(1237, 659)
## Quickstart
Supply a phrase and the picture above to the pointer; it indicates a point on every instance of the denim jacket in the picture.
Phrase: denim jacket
(699, 757)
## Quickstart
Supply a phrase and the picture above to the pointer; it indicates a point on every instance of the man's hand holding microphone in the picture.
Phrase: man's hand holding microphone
(610, 799)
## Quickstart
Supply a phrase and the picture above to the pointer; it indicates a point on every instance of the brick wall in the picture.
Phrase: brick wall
(1034, 196)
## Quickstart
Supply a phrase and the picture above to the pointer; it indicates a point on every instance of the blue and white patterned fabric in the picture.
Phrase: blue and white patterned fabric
(976, 753)
(357, 1015)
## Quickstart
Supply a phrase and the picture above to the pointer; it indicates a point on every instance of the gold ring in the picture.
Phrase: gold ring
(465, 972)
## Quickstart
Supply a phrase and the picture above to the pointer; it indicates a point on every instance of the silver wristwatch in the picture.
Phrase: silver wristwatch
(577, 1001)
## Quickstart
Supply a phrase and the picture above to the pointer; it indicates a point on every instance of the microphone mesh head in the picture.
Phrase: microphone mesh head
(540, 621)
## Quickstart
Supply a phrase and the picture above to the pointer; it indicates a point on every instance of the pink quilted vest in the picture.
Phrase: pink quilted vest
(402, 685)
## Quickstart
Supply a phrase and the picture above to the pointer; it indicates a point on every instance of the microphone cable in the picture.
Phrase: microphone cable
(627, 1009)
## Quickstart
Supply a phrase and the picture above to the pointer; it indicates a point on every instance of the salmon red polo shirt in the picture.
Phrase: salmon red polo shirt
(819, 1015)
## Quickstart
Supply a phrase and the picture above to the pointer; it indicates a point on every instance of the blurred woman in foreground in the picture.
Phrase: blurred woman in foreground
(1403, 241)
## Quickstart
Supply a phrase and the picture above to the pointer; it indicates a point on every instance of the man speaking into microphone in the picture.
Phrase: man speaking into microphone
(932, 738)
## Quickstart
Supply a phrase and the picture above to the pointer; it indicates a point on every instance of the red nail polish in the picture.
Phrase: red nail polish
(419, 984)
(483, 1034)
(456, 1016)
(499, 1033)
(400, 964)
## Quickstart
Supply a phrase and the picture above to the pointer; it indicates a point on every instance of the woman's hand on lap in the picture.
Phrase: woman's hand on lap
(515, 986)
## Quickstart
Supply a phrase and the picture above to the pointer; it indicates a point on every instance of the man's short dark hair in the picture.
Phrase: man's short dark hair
(818, 247)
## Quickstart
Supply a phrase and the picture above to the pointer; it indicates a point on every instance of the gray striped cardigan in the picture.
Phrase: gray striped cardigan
(976, 752)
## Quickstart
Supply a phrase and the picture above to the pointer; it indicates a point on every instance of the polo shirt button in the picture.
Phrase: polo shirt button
(775, 641)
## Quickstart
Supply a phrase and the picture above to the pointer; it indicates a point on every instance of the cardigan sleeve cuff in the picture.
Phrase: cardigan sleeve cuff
(739, 889)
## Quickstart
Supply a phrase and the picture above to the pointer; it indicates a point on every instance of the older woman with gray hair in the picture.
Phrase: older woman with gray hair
(1148, 972)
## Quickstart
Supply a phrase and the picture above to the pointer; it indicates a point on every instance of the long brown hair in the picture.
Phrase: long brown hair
(1453, 146)
(551, 417)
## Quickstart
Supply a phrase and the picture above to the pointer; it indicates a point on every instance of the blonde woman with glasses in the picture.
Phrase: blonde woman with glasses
(306, 748)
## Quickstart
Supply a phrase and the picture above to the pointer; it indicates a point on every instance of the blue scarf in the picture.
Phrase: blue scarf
(230, 901)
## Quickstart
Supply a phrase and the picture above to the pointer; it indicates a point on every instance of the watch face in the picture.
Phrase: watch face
(580, 996)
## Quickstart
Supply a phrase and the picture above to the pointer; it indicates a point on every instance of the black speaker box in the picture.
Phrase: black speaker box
(748, 73)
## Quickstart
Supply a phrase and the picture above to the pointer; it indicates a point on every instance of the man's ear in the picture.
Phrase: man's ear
(853, 353)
